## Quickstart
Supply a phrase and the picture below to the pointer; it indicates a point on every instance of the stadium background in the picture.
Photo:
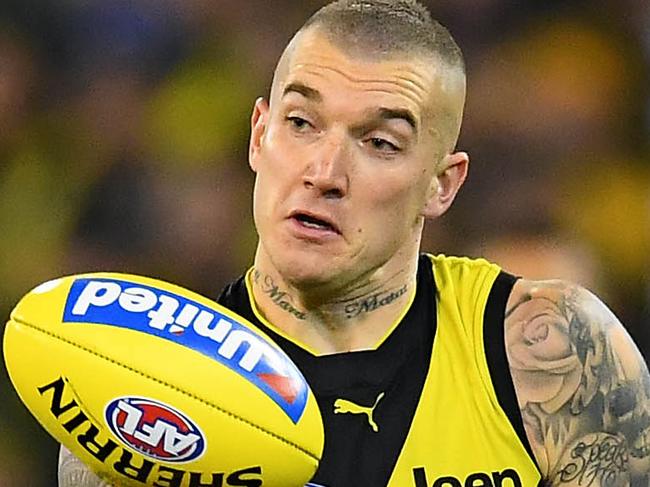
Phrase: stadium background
(123, 142)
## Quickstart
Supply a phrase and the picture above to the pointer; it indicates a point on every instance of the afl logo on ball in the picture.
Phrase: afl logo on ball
(155, 429)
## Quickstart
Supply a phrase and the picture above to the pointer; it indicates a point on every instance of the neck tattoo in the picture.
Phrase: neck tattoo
(280, 298)
(373, 302)
(352, 308)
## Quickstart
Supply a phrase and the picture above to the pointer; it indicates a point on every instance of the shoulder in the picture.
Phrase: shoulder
(458, 261)
(462, 272)
(583, 387)
(233, 292)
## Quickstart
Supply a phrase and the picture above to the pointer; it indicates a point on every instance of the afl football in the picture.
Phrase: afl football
(151, 384)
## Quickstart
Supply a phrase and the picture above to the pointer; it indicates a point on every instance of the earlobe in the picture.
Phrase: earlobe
(451, 176)
(258, 129)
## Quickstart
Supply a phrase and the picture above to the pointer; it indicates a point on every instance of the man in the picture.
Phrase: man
(429, 371)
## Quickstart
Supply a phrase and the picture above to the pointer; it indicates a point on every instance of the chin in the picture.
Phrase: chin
(308, 269)
(307, 273)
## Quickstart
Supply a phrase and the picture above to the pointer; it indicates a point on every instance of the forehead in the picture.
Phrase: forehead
(313, 60)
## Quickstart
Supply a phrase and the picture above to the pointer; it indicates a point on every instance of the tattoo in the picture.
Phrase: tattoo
(584, 389)
(352, 308)
(373, 302)
(73, 473)
(280, 298)
(602, 460)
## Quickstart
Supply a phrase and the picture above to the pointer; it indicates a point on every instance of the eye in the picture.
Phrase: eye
(383, 145)
(298, 123)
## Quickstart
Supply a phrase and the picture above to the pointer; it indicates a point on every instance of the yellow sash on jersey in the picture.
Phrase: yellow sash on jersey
(460, 436)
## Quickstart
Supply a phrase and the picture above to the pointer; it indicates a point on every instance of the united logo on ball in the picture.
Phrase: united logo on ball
(226, 406)
(155, 429)
(189, 323)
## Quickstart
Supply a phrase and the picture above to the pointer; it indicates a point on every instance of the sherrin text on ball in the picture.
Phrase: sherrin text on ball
(151, 384)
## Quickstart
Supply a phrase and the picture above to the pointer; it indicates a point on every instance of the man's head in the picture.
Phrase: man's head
(355, 146)
(381, 30)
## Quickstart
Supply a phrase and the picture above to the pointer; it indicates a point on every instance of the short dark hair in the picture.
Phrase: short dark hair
(385, 28)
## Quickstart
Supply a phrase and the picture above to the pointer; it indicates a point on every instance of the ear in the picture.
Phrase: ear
(259, 120)
(445, 185)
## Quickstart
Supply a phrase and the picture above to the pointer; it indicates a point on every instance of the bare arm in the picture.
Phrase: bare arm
(74, 473)
(583, 387)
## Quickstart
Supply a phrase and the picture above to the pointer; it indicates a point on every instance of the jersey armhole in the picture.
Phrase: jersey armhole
(497, 359)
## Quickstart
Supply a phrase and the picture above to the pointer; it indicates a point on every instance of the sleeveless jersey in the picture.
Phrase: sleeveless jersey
(433, 405)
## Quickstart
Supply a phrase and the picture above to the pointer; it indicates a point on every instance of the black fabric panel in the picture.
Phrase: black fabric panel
(354, 455)
(497, 359)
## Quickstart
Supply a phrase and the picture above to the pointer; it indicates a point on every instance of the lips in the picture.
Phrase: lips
(315, 221)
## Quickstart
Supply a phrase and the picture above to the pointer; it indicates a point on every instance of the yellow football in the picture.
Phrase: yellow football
(151, 384)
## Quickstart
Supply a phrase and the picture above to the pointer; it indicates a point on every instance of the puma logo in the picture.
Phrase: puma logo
(343, 406)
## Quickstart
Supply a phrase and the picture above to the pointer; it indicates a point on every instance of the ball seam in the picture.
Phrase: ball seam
(167, 384)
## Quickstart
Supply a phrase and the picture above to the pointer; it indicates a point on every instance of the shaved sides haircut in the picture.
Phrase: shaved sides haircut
(387, 28)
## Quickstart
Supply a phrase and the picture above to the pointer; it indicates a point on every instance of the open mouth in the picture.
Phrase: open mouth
(314, 222)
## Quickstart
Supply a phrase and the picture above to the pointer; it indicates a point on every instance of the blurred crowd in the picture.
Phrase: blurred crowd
(123, 146)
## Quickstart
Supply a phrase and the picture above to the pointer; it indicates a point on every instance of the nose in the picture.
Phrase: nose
(327, 171)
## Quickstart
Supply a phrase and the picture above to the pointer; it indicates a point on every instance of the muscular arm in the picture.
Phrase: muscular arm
(583, 387)
(73, 473)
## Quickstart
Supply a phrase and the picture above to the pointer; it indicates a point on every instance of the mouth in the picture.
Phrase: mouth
(314, 221)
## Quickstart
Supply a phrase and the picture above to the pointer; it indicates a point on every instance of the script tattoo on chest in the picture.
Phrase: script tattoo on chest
(280, 298)
(603, 462)
(373, 302)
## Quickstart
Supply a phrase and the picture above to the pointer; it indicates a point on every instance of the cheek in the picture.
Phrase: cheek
(281, 161)
(276, 163)
(392, 209)
(396, 197)
(269, 184)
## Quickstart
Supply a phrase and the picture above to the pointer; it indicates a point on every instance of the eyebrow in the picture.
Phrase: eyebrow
(400, 114)
(383, 112)
(304, 90)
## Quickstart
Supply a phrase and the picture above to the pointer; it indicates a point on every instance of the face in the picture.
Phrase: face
(348, 164)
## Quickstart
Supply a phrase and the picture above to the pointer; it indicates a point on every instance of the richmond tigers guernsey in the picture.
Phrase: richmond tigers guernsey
(433, 404)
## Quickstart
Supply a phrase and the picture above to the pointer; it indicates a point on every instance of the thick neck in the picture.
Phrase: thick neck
(357, 317)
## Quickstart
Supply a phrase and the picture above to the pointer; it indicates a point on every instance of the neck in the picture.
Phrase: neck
(356, 318)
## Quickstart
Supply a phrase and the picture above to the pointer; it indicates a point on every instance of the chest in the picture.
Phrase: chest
(421, 410)
(418, 418)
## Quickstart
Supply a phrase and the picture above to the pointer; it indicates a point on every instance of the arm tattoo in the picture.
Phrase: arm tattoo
(596, 460)
(583, 388)
(74, 473)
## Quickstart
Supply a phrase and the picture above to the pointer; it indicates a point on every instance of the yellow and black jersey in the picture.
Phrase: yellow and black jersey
(433, 405)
